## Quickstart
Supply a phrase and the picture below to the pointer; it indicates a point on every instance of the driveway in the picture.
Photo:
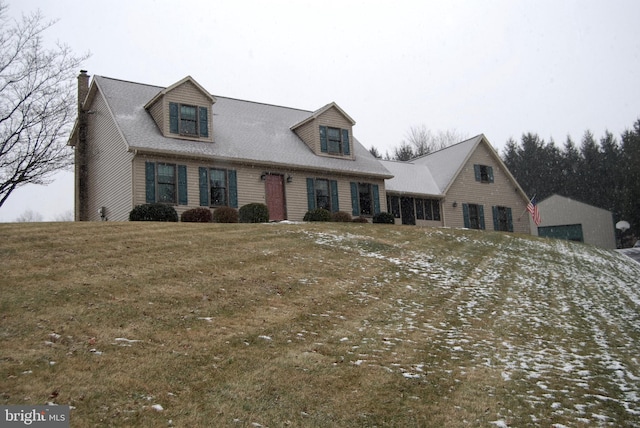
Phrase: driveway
(634, 253)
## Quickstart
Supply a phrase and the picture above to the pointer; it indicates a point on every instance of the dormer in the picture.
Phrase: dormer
(328, 132)
(183, 110)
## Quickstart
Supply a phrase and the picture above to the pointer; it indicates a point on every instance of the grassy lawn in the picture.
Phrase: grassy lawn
(187, 325)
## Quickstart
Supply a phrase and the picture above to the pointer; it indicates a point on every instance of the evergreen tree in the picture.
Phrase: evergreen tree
(605, 175)
(376, 154)
(588, 190)
(570, 166)
(404, 152)
(631, 177)
(610, 177)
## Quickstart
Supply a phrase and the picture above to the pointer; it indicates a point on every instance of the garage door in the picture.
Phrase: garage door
(570, 232)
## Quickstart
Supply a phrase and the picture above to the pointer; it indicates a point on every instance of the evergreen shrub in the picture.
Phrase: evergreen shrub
(319, 214)
(153, 212)
(254, 213)
(385, 218)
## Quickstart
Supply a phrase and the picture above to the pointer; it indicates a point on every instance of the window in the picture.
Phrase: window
(483, 173)
(393, 206)
(364, 193)
(428, 209)
(502, 219)
(473, 216)
(365, 199)
(334, 141)
(322, 193)
(218, 187)
(420, 209)
(188, 120)
(166, 183)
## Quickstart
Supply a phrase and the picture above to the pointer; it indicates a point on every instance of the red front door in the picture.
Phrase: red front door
(274, 186)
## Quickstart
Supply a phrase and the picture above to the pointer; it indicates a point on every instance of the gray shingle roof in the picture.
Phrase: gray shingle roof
(410, 178)
(445, 164)
(430, 174)
(243, 131)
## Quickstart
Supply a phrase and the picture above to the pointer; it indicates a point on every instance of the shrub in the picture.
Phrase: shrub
(360, 220)
(225, 215)
(153, 212)
(254, 213)
(385, 218)
(319, 214)
(341, 216)
(197, 215)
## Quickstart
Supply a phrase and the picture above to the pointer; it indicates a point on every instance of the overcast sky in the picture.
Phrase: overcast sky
(500, 68)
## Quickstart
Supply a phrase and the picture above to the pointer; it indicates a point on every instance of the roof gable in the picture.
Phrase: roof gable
(321, 111)
(178, 84)
(446, 164)
(435, 173)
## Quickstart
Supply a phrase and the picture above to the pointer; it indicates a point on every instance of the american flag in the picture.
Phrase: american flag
(532, 207)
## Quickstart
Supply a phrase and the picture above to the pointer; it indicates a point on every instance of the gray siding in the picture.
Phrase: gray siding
(109, 166)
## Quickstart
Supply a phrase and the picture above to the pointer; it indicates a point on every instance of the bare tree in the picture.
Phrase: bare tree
(37, 102)
(424, 141)
(29, 216)
(421, 138)
(64, 216)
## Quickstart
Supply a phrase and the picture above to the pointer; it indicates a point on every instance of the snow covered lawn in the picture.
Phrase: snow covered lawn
(560, 322)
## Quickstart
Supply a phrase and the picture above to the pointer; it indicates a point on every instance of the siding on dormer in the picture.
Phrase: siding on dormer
(187, 93)
(310, 132)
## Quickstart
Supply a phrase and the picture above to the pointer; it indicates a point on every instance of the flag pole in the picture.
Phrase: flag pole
(525, 208)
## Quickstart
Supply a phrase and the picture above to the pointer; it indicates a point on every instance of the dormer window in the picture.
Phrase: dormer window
(188, 120)
(334, 141)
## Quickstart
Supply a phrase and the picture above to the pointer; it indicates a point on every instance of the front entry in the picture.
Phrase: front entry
(408, 213)
(274, 189)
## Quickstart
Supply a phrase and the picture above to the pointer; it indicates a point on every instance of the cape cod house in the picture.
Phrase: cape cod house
(463, 185)
(137, 143)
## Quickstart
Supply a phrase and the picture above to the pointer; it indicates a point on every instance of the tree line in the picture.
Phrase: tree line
(602, 172)
(419, 141)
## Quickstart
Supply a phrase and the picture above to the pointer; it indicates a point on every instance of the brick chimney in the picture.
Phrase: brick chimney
(81, 173)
